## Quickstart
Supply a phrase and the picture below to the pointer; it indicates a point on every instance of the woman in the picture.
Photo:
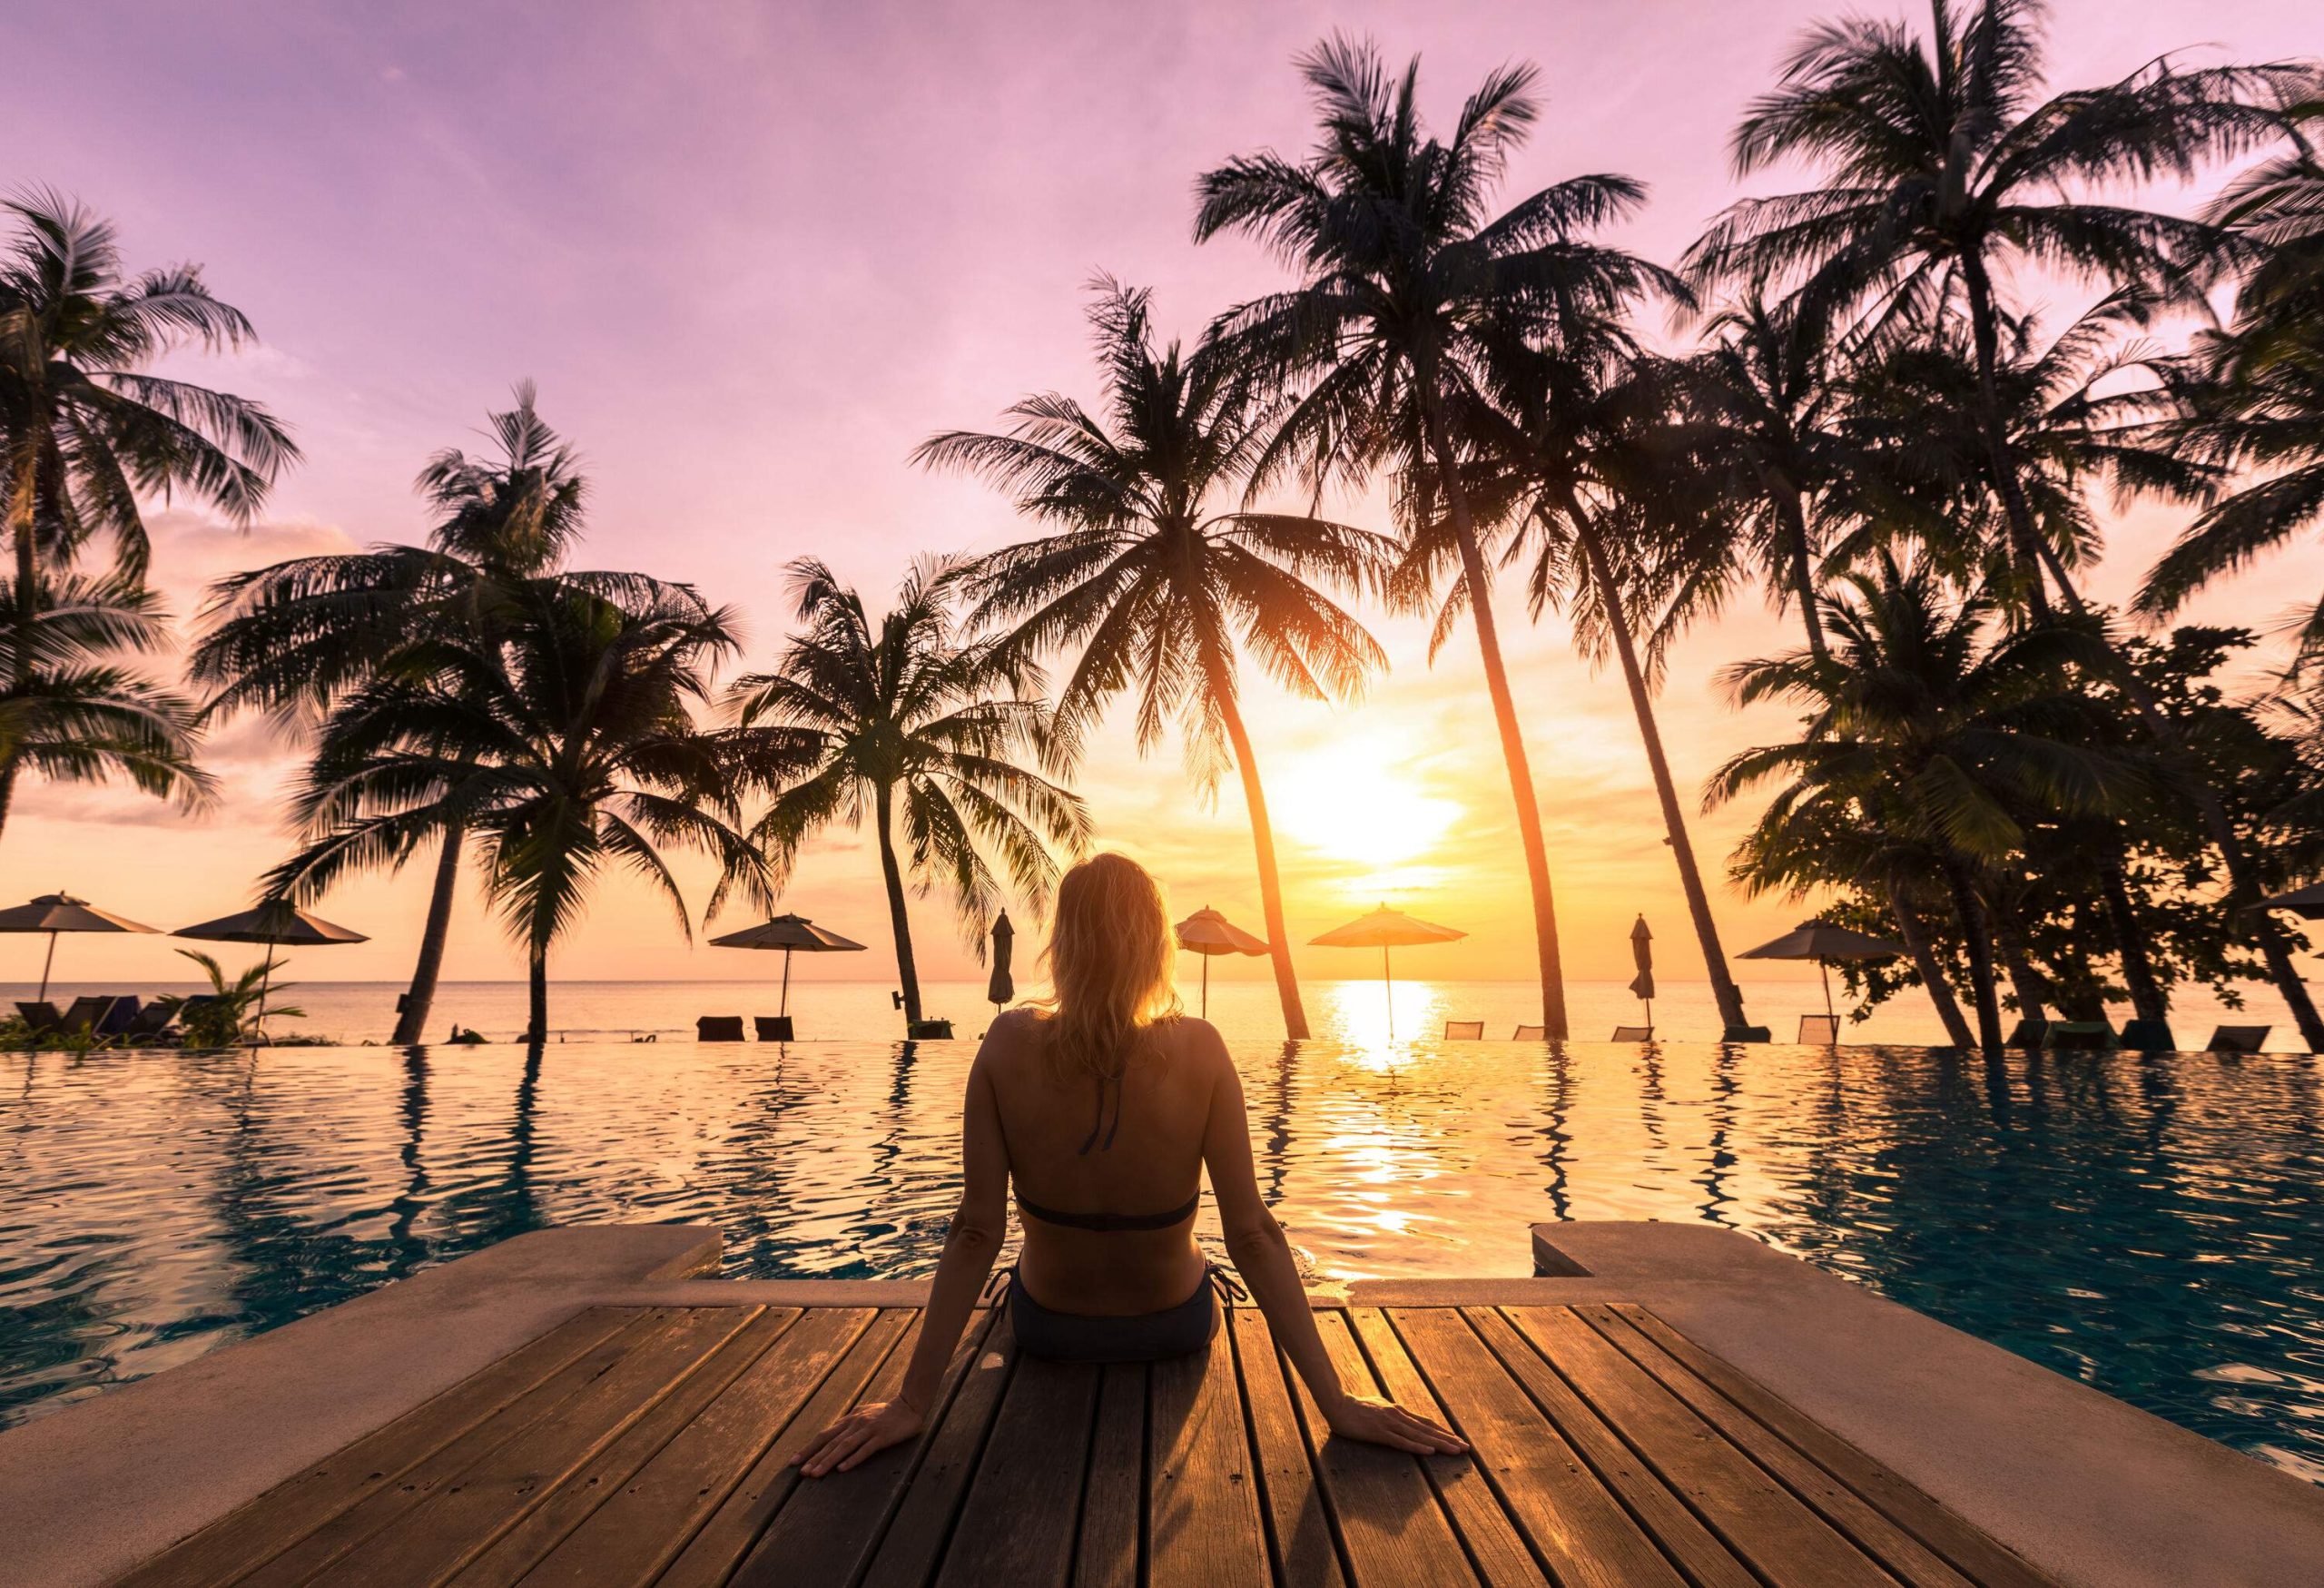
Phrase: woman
(1104, 1109)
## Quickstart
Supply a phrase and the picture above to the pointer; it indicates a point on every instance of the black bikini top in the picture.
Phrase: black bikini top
(1106, 1222)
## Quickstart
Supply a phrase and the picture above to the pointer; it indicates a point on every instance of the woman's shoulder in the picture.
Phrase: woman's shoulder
(1191, 1037)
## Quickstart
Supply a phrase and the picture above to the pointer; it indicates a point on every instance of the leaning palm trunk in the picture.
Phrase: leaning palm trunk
(1682, 849)
(537, 989)
(421, 998)
(1255, 801)
(1803, 572)
(1971, 917)
(899, 919)
(2148, 1001)
(1512, 738)
(2025, 539)
(1932, 971)
(21, 519)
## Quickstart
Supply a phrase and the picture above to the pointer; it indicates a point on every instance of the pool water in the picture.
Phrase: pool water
(2152, 1227)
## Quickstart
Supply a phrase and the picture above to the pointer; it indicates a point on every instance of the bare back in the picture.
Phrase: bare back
(1142, 1161)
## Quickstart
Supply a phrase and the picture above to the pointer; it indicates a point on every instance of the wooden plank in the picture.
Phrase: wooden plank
(1018, 1524)
(1496, 1549)
(1579, 1526)
(1203, 1523)
(1113, 1495)
(1391, 1524)
(647, 1515)
(908, 1551)
(247, 1538)
(710, 1555)
(1299, 1526)
(1976, 1553)
(1905, 1556)
(1545, 1500)
(456, 1522)
(830, 1527)
(312, 1556)
(1761, 1521)
(603, 1478)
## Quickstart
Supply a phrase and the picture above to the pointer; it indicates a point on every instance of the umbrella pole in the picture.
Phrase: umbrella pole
(786, 1010)
(1388, 982)
(1826, 971)
(265, 984)
(45, 966)
(1206, 985)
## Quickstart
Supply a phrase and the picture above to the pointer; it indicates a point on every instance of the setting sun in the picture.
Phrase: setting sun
(1357, 800)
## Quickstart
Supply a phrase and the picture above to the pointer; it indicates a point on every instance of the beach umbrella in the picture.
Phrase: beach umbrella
(1386, 929)
(59, 913)
(2307, 903)
(1642, 955)
(1001, 987)
(1208, 934)
(793, 934)
(276, 923)
(1823, 942)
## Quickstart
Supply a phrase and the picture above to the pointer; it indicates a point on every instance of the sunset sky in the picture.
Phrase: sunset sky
(753, 255)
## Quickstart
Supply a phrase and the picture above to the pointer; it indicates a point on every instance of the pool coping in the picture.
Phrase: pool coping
(2087, 1487)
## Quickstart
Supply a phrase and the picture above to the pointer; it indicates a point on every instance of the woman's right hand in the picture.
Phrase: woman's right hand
(1379, 1422)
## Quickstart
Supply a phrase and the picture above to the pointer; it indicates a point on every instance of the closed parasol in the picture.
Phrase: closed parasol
(1386, 929)
(1208, 934)
(59, 913)
(1642, 955)
(1822, 942)
(793, 934)
(1002, 986)
(276, 923)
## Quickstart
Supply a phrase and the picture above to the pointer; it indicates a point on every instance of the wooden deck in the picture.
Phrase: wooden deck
(652, 1445)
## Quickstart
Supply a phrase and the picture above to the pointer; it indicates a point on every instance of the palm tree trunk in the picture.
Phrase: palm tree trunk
(1980, 957)
(2025, 540)
(1255, 801)
(1931, 970)
(898, 920)
(23, 515)
(537, 989)
(2033, 993)
(412, 1023)
(1512, 738)
(2148, 1001)
(1682, 850)
(1803, 572)
(2242, 884)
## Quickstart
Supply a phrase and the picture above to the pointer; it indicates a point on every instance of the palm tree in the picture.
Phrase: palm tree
(1945, 170)
(1926, 726)
(72, 712)
(86, 428)
(1406, 278)
(296, 638)
(1158, 587)
(903, 722)
(561, 745)
(1581, 462)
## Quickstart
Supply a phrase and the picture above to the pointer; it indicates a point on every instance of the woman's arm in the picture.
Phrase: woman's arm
(979, 1224)
(1263, 1255)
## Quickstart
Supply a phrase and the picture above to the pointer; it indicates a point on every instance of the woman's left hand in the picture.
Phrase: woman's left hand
(861, 1435)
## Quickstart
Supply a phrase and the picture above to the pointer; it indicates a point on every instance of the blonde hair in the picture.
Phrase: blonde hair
(1111, 956)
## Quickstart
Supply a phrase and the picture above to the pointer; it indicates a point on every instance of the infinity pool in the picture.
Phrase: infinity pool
(2154, 1228)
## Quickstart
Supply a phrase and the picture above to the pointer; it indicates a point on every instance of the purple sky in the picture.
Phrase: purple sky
(751, 254)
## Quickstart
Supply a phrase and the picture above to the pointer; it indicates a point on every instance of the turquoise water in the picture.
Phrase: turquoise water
(2154, 1228)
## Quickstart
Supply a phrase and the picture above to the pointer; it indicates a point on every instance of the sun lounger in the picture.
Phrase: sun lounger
(718, 1028)
(1819, 1030)
(1530, 1034)
(1464, 1031)
(123, 1015)
(87, 1014)
(40, 1017)
(1633, 1034)
(2226, 1040)
(148, 1024)
(772, 1028)
(2026, 1036)
(2078, 1036)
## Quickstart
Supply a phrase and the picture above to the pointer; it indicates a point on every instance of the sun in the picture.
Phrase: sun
(1355, 800)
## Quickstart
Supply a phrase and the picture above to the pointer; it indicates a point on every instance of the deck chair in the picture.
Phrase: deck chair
(1633, 1034)
(1530, 1034)
(2226, 1040)
(150, 1022)
(40, 1017)
(1819, 1030)
(87, 1013)
(2078, 1036)
(2026, 1035)
(772, 1028)
(123, 1015)
(718, 1028)
(1464, 1031)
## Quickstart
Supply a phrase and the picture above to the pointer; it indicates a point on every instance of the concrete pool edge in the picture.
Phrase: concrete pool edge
(2084, 1487)
(89, 1490)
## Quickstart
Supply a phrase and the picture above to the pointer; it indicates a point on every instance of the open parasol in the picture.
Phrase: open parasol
(793, 934)
(2307, 903)
(60, 912)
(1386, 929)
(276, 923)
(1208, 934)
(1822, 942)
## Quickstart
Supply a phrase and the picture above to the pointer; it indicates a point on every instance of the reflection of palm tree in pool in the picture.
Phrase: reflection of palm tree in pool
(1275, 1149)
(1719, 1156)
(1557, 1107)
(412, 1202)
